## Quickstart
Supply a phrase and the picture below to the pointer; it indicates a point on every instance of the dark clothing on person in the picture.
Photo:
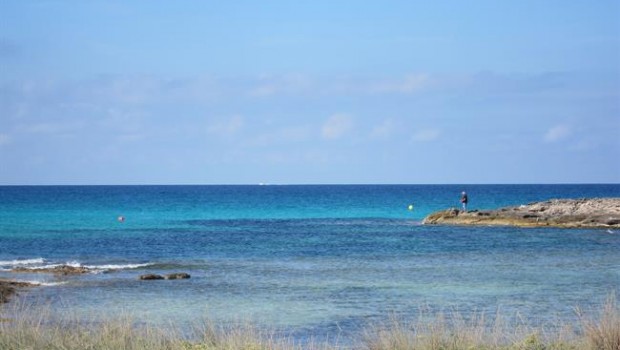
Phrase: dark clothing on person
(464, 201)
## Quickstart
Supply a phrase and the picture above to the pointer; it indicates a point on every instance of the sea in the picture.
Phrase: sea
(311, 261)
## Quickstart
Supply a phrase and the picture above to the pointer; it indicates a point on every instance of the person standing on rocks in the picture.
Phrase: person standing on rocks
(464, 201)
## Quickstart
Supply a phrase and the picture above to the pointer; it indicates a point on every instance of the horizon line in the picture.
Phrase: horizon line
(318, 184)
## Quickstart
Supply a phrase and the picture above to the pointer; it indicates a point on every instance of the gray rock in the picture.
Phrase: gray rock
(151, 276)
(177, 276)
(63, 270)
(9, 288)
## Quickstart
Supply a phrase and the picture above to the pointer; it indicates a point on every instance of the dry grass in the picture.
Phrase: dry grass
(456, 332)
(603, 333)
(41, 330)
(470, 335)
(36, 328)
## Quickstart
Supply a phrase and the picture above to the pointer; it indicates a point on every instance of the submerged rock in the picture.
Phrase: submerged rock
(595, 212)
(170, 276)
(151, 276)
(9, 288)
(58, 270)
(177, 276)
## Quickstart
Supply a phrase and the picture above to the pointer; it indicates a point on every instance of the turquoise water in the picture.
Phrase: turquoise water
(320, 261)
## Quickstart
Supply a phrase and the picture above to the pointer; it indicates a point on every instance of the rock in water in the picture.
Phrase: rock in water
(58, 270)
(8, 288)
(151, 276)
(177, 276)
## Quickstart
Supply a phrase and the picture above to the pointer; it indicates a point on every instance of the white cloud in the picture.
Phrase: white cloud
(409, 84)
(132, 137)
(269, 85)
(426, 135)
(5, 139)
(227, 127)
(302, 85)
(286, 135)
(264, 90)
(383, 130)
(52, 128)
(557, 133)
(584, 145)
(336, 126)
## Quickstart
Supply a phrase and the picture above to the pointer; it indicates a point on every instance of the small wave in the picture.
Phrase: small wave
(42, 284)
(117, 266)
(40, 264)
(51, 266)
(51, 284)
(21, 262)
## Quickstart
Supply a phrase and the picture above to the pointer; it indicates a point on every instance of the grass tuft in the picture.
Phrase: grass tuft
(38, 328)
(603, 333)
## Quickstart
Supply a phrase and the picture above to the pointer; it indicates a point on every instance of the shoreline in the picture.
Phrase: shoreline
(561, 213)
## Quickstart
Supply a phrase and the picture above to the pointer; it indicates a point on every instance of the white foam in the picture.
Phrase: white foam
(117, 266)
(73, 263)
(48, 266)
(42, 284)
(20, 262)
(50, 284)
(39, 264)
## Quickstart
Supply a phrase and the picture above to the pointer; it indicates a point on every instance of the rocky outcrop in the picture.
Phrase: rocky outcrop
(570, 213)
(8, 288)
(177, 276)
(151, 276)
(170, 276)
(63, 270)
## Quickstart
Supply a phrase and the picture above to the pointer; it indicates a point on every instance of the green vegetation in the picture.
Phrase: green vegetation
(29, 328)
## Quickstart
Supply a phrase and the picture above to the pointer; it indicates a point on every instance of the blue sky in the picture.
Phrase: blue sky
(283, 92)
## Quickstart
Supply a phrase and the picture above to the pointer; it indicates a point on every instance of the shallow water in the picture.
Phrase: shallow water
(320, 261)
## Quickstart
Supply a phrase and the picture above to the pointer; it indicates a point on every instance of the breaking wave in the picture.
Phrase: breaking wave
(21, 262)
(41, 264)
(41, 283)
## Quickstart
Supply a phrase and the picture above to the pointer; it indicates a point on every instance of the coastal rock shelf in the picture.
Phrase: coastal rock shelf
(569, 213)
(63, 270)
(8, 288)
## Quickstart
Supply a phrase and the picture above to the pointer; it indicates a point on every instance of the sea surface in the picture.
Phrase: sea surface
(321, 261)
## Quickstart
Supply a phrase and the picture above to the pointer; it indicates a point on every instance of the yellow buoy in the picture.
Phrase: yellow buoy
(410, 207)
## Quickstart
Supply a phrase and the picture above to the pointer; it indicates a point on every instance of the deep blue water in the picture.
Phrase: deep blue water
(315, 260)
